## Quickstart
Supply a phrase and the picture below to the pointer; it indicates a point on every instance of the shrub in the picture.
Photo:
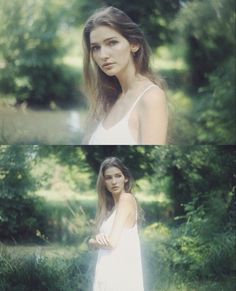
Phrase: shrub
(39, 272)
(31, 52)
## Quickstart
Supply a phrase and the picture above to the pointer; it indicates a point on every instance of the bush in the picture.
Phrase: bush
(208, 28)
(68, 223)
(18, 211)
(215, 111)
(39, 272)
(31, 52)
(174, 259)
(204, 247)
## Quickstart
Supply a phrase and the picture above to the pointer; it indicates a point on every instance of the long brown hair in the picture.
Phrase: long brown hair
(105, 199)
(103, 90)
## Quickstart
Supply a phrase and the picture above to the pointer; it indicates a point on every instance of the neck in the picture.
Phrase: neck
(116, 199)
(128, 77)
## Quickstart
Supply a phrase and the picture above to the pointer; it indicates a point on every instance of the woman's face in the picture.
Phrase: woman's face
(110, 50)
(114, 180)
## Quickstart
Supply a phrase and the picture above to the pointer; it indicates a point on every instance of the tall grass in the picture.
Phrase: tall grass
(174, 260)
(39, 271)
(63, 268)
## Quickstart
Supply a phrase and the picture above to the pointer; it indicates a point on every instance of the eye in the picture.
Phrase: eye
(95, 48)
(112, 42)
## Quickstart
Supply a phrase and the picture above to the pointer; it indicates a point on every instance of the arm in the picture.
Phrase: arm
(153, 117)
(125, 207)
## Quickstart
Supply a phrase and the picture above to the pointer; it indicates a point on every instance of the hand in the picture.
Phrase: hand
(102, 239)
(92, 243)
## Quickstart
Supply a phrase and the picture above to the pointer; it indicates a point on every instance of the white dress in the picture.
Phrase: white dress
(119, 269)
(118, 134)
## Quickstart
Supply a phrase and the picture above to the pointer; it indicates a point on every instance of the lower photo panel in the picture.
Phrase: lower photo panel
(117, 218)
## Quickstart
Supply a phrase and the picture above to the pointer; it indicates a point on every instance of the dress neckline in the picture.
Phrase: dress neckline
(129, 111)
(113, 210)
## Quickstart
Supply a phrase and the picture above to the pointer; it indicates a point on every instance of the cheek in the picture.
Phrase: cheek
(123, 181)
(94, 58)
(123, 51)
(106, 184)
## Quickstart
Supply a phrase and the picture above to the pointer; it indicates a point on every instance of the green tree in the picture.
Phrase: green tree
(215, 111)
(208, 28)
(201, 183)
(195, 173)
(19, 216)
(30, 52)
(155, 17)
(137, 158)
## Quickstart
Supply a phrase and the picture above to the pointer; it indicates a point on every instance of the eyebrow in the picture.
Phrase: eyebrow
(117, 173)
(109, 38)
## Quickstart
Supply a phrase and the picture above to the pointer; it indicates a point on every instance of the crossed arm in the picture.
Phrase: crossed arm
(125, 208)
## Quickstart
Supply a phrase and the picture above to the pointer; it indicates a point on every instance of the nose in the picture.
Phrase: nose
(114, 180)
(104, 53)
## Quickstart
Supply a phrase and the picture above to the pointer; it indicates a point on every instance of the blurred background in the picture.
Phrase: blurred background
(42, 100)
(48, 203)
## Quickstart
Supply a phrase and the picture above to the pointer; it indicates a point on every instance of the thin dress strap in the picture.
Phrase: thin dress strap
(138, 98)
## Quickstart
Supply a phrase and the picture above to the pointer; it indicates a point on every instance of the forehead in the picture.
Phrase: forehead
(112, 171)
(100, 33)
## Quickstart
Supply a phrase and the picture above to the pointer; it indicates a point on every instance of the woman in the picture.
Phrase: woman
(128, 104)
(119, 260)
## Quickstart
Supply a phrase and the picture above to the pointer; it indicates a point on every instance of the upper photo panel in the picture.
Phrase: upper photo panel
(117, 73)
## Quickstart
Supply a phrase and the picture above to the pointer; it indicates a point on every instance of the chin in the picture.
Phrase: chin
(110, 74)
(117, 192)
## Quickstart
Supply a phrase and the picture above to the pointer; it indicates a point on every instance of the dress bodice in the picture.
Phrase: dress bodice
(119, 269)
(118, 134)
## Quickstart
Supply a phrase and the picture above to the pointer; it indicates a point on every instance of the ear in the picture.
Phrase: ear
(126, 180)
(134, 47)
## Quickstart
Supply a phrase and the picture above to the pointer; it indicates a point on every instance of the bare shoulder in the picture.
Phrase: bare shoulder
(155, 96)
(127, 200)
(127, 197)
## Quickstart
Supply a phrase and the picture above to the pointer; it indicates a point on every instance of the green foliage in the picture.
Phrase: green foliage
(18, 210)
(203, 248)
(208, 28)
(198, 246)
(88, 158)
(153, 16)
(79, 11)
(156, 264)
(196, 254)
(40, 272)
(188, 167)
(215, 111)
(30, 49)
(133, 157)
(206, 34)
(154, 211)
(68, 222)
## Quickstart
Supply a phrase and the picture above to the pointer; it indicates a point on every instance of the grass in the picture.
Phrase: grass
(57, 267)
(27, 126)
(39, 268)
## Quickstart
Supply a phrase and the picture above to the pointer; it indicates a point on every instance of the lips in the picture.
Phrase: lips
(106, 65)
(114, 188)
